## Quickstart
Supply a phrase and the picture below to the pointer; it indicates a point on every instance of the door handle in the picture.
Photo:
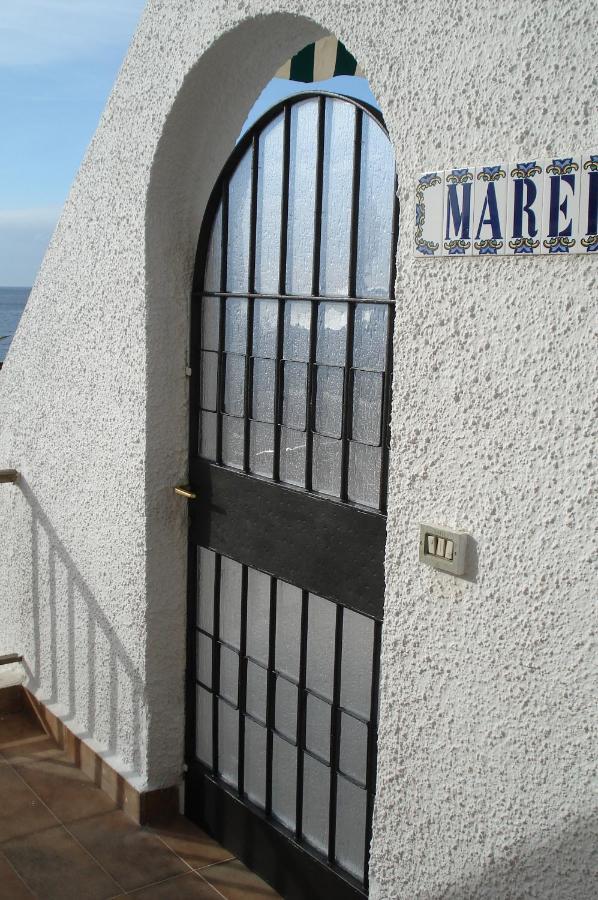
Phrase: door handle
(183, 490)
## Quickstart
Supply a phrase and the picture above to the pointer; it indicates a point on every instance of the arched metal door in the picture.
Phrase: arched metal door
(290, 395)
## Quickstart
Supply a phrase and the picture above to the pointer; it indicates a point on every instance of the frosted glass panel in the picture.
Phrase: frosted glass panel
(258, 614)
(203, 730)
(288, 628)
(316, 793)
(229, 675)
(364, 474)
(239, 209)
(356, 667)
(332, 334)
(208, 435)
(297, 319)
(353, 752)
(292, 456)
(228, 742)
(255, 698)
(294, 394)
(210, 323)
(336, 197)
(264, 381)
(255, 763)
(317, 727)
(327, 465)
(367, 406)
(233, 441)
(320, 645)
(230, 601)
(235, 332)
(261, 449)
(350, 827)
(204, 659)
(269, 200)
(234, 384)
(286, 708)
(376, 202)
(369, 342)
(284, 781)
(209, 380)
(302, 192)
(329, 400)
(206, 564)
(213, 262)
(265, 318)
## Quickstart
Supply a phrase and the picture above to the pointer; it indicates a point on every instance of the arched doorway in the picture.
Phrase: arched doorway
(290, 401)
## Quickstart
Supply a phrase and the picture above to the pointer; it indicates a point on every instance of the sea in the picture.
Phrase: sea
(12, 304)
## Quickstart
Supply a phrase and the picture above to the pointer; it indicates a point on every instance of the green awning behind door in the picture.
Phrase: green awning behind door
(320, 61)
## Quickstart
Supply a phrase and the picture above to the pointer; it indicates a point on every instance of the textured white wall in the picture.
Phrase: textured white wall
(487, 713)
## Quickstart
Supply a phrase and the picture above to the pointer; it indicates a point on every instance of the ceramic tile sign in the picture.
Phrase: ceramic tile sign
(525, 208)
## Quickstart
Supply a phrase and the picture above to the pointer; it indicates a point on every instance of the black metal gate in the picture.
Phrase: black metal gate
(290, 395)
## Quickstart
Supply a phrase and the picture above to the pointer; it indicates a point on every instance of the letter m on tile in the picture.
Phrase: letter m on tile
(458, 205)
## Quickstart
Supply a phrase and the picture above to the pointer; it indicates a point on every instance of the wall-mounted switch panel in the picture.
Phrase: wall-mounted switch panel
(443, 549)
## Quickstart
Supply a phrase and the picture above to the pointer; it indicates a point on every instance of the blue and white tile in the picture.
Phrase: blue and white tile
(560, 214)
(490, 210)
(587, 234)
(458, 202)
(429, 197)
(524, 208)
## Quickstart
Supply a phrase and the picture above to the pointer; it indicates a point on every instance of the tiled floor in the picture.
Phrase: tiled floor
(62, 837)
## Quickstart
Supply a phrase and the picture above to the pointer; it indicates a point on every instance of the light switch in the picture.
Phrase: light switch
(443, 548)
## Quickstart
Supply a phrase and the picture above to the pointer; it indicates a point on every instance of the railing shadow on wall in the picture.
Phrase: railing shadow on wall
(119, 674)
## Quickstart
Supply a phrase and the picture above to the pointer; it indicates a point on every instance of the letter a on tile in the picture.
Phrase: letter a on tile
(490, 210)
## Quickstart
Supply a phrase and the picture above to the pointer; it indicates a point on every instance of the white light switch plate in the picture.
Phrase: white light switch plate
(449, 546)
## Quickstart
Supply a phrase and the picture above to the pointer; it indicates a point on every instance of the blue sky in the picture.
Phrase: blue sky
(58, 62)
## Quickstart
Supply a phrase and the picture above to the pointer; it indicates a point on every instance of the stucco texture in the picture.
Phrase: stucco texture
(487, 711)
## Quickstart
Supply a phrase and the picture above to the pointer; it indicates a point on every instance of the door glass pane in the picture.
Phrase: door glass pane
(213, 262)
(204, 659)
(203, 728)
(336, 197)
(350, 827)
(206, 564)
(258, 615)
(209, 380)
(284, 781)
(229, 675)
(264, 382)
(208, 435)
(321, 624)
(255, 700)
(316, 796)
(302, 192)
(294, 394)
(261, 449)
(239, 210)
(255, 763)
(235, 332)
(234, 384)
(269, 201)
(369, 341)
(292, 456)
(353, 751)
(367, 407)
(233, 442)
(332, 334)
(376, 203)
(297, 319)
(317, 727)
(356, 666)
(228, 742)
(288, 629)
(286, 708)
(230, 601)
(210, 323)
(327, 465)
(265, 319)
(364, 474)
(329, 400)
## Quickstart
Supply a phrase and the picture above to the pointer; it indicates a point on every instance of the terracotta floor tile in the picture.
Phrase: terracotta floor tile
(18, 727)
(236, 882)
(55, 867)
(185, 887)
(11, 886)
(68, 792)
(20, 810)
(132, 855)
(191, 843)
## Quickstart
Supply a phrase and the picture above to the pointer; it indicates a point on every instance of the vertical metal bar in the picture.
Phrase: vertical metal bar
(250, 301)
(301, 704)
(270, 723)
(371, 748)
(315, 290)
(282, 279)
(222, 323)
(191, 669)
(387, 390)
(335, 732)
(216, 660)
(242, 696)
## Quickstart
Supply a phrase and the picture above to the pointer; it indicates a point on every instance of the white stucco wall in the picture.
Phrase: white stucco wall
(487, 710)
